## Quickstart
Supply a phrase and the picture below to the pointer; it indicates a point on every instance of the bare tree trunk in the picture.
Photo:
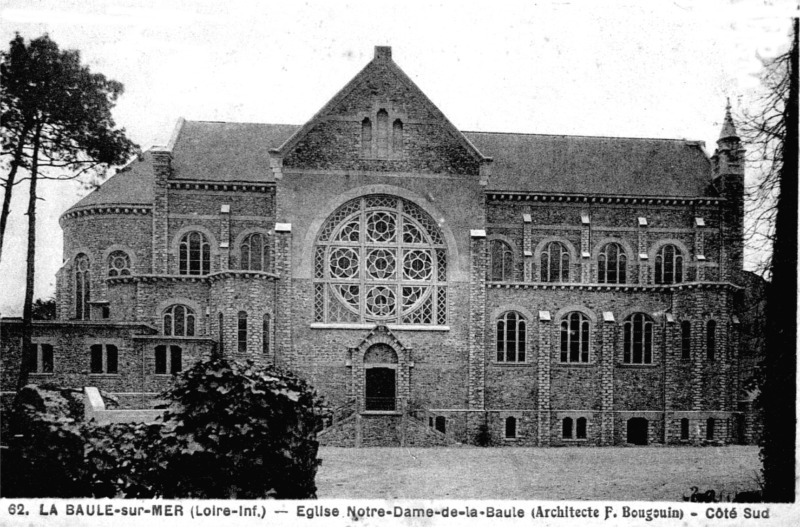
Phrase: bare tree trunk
(12, 175)
(30, 277)
(778, 390)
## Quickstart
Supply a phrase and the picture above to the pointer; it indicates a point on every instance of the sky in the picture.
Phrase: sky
(624, 69)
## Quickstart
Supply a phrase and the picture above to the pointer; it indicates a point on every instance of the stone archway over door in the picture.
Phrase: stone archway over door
(380, 378)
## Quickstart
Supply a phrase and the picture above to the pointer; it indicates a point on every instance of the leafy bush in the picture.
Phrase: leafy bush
(231, 430)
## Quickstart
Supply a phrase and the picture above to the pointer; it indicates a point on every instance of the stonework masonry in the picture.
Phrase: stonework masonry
(435, 286)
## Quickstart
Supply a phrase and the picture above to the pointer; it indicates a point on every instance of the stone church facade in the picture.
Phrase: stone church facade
(434, 285)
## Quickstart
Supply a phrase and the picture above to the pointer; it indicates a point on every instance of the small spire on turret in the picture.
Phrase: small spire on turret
(728, 128)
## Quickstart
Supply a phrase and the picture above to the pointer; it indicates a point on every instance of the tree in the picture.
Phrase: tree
(774, 133)
(57, 124)
(44, 309)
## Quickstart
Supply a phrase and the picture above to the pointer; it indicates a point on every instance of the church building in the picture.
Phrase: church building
(436, 286)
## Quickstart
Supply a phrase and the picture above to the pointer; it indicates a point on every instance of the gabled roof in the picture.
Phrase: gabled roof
(131, 185)
(594, 165)
(382, 59)
(219, 151)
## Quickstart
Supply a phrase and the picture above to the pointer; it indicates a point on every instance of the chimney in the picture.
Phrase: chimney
(383, 53)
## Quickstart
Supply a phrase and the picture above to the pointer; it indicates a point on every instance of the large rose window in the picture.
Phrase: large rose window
(380, 259)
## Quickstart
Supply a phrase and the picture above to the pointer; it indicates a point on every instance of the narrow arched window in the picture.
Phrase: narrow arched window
(554, 263)
(686, 340)
(119, 264)
(669, 265)
(575, 338)
(710, 428)
(612, 264)
(179, 321)
(511, 337)
(221, 332)
(194, 254)
(511, 427)
(383, 133)
(366, 137)
(254, 253)
(397, 137)
(242, 332)
(580, 428)
(82, 287)
(266, 331)
(501, 264)
(566, 428)
(711, 339)
(638, 339)
(684, 429)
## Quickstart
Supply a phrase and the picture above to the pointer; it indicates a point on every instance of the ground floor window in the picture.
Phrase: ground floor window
(103, 358)
(441, 424)
(168, 359)
(573, 429)
(511, 427)
(40, 358)
(637, 431)
(710, 428)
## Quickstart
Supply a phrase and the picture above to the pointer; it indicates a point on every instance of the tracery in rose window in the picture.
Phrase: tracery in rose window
(380, 258)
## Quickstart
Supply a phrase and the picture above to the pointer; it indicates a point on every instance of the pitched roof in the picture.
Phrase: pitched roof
(131, 185)
(594, 165)
(218, 151)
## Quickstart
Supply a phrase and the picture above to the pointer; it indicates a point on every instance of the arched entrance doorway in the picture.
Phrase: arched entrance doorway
(380, 378)
(637, 431)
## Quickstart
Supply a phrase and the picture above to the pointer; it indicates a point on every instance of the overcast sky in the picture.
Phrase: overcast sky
(633, 69)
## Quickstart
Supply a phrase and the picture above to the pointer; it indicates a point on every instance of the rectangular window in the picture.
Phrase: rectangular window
(242, 332)
(103, 358)
(265, 334)
(40, 358)
(161, 360)
(96, 365)
(175, 365)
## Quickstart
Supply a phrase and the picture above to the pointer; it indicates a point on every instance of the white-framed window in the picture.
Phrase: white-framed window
(612, 264)
(668, 265)
(638, 339)
(511, 337)
(179, 321)
(194, 254)
(575, 338)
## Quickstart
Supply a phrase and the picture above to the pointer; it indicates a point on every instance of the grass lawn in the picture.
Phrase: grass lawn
(623, 473)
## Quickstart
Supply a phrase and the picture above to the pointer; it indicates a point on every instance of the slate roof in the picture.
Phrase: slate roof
(219, 151)
(131, 185)
(594, 165)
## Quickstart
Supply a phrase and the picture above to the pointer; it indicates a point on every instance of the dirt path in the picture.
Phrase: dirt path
(640, 473)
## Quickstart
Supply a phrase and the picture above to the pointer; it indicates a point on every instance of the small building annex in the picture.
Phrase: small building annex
(433, 284)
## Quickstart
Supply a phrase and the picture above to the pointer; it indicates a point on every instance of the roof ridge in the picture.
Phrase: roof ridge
(674, 139)
(238, 122)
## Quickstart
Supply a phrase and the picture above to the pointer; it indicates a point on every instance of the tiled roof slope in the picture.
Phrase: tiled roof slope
(132, 185)
(217, 151)
(594, 165)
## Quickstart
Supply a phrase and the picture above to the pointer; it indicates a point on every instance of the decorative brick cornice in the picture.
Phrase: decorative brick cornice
(258, 275)
(91, 210)
(220, 186)
(613, 287)
(611, 200)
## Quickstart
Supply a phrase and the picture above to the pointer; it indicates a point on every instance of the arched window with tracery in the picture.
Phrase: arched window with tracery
(179, 321)
(554, 263)
(669, 265)
(119, 264)
(511, 337)
(83, 286)
(254, 252)
(612, 264)
(501, 261)
(194, 254)
(638, 339)
(380, 258)
(575, 336)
